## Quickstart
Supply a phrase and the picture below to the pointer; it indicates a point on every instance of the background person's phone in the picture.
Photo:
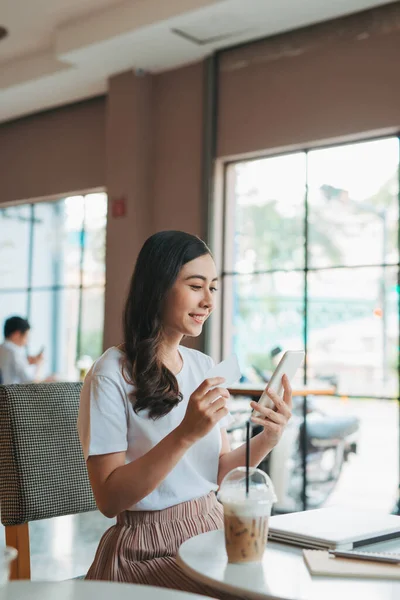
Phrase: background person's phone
(288, 365)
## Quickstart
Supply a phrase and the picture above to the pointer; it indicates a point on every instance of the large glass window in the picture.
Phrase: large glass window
(52, 270)
(311, 261)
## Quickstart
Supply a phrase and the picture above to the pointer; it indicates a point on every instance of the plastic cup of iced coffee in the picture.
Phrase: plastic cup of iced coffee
(247, 509)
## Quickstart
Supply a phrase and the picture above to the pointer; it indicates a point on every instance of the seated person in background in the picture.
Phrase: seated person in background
(15, 365)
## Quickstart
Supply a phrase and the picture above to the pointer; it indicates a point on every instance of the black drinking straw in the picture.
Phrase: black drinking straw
(247, 456)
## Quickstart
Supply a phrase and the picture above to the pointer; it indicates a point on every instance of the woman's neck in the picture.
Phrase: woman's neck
(170, 355)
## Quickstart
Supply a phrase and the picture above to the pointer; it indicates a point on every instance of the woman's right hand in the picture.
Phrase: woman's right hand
(205, 408)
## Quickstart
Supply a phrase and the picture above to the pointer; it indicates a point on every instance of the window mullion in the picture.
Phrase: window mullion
(30, 261)
(81, 268)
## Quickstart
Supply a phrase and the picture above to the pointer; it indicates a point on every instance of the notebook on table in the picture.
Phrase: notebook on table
(334, 528)
(319, 562)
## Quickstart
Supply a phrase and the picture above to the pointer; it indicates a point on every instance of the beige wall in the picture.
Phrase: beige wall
(154, 152)
(178, 148)
(53, 153)
(326, 82)
(178, 129)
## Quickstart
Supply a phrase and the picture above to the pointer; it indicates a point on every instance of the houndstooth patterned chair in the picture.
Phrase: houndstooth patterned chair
(42, 470)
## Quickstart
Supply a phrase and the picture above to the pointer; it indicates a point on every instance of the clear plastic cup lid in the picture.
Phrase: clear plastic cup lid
(234, 487)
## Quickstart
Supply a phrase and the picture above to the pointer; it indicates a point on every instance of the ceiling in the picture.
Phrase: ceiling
(60, 51)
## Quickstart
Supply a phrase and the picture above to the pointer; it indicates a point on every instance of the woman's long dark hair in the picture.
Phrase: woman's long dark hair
(157, 267)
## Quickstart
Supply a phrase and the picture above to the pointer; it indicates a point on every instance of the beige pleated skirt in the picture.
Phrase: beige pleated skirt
(142, 546)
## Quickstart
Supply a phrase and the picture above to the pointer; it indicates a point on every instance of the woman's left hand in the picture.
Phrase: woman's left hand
(274, 420)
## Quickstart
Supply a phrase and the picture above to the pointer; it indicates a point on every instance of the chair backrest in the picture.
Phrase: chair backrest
(42, 470)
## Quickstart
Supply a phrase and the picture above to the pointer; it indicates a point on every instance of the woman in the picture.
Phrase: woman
(152, 426)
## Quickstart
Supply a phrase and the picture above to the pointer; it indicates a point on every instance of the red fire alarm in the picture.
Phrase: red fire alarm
(118, 207)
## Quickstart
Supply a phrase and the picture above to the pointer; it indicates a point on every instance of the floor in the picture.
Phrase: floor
(370, 479)
(63, 548)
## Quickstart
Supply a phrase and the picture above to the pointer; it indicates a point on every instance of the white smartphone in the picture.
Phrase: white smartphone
(288, 365)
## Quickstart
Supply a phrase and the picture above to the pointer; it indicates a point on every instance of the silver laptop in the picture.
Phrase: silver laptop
(334, 527)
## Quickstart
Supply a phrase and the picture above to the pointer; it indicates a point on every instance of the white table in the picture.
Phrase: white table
(89, 590)
(282, 575)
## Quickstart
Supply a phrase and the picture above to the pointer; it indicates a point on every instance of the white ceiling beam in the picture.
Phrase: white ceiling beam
(126, 18)
(30, 68)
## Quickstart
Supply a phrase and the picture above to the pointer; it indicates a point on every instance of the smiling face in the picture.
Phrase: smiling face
(191, 299)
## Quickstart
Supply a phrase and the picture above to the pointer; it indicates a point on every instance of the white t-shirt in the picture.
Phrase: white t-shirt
(107, 423)
(14, 364)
